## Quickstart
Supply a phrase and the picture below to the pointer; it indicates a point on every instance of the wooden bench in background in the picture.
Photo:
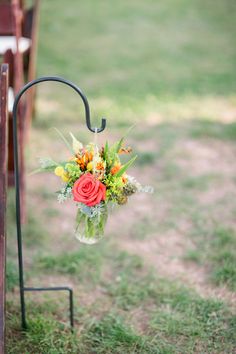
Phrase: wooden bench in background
(11, 32)
(19, 28)
(30, 30)
(3, 194)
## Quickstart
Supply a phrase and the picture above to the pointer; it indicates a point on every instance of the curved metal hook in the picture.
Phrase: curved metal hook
(17, 181)
(68, 83)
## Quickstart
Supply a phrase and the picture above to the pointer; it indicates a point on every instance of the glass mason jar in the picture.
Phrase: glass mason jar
(90, 229)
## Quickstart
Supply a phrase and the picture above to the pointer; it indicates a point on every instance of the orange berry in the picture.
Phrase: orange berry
(100, 166)
(115, 169)
(124, 179)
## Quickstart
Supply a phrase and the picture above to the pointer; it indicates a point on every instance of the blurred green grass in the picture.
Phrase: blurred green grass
(138, 49)
(135, 58)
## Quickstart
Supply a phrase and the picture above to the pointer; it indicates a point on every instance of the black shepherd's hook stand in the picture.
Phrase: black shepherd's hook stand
(17, 186)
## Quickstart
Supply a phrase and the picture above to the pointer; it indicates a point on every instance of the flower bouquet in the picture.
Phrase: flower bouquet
(95, 178)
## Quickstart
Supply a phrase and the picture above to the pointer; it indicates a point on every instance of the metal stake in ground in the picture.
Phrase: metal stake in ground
(17, 187)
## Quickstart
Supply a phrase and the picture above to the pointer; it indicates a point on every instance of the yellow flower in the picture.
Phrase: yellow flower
(65, 177)
(90, 166)
(59, 170)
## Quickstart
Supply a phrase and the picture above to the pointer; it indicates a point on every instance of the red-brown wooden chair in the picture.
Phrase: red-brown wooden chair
(14, 58)
(3, 194)
(30, 31)
(11, 29)
(28, 43)
(20, 23)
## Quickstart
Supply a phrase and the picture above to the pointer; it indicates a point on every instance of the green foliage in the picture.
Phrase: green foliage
(223, 256)
(44, 336)
(194, 324)
(183, 320)
(129, 293)
(219, 245)
(114, 187)
(115, 148)
(125, 167)
(84, 264)
(180, 321)
(74, 172)
(112, 335)
(111, 153)
(106, 151)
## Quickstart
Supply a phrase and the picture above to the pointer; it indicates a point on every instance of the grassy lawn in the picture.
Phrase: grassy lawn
(164, 283)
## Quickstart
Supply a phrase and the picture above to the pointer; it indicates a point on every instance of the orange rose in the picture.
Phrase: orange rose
(88, 190)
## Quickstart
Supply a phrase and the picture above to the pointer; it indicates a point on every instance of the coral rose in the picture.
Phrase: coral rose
(88, 190)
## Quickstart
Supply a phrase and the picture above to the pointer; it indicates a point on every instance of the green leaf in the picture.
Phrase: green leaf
(116, 147)
(125, 167)
(114, 150)
(106, 149)
(119, 144)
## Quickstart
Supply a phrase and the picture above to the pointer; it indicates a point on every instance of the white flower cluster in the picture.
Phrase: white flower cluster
(147, 189)
(140, 188)
(65, 193)
(91, 211)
